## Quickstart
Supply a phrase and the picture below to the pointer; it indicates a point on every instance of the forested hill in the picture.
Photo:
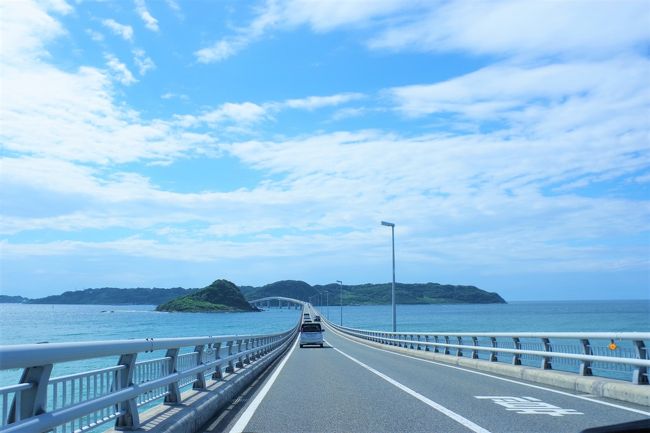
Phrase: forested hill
(360, 294)
(113, 296)
(374, 294)
(220, 296)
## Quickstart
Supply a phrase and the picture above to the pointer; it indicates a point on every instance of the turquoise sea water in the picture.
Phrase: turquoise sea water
(21, 323)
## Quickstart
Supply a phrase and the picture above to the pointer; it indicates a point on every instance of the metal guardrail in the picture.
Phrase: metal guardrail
(592, 353)
(83, 401)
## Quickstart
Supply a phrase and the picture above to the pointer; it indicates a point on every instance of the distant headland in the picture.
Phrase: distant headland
(359, 294)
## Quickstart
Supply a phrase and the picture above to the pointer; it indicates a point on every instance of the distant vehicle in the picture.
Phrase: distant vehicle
(317, 319)
(311, 333)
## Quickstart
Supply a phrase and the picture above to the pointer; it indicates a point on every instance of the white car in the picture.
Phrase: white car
(311, 333)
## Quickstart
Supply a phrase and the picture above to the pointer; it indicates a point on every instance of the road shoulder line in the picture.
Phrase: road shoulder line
(449, 413)
(245, 418)
(530, 385)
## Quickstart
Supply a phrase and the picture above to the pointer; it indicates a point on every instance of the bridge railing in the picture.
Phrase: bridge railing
(622, 355)
(83, 401)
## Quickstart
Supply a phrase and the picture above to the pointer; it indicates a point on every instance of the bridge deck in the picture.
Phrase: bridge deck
(350, 387)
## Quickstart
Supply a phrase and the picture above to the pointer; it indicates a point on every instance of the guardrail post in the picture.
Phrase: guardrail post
(240, 359)
(546, 360)
(200, 376)
(516, 357)
(417, 347)
(459, 351)
(247, 358)
(426, 346)
(231, 365)
(130, 419)
(174, 392)
(217, 375)
(640, 374)
(32, 401)
(435, 348)
(493, 354)
(475, 351)
(585, 366)
(446, 351)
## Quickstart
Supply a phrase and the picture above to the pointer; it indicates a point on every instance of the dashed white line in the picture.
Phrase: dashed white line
(581, 397)
(243, 420)
(451, 414)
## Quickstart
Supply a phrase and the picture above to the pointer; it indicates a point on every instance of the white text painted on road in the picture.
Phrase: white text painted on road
(529, 406)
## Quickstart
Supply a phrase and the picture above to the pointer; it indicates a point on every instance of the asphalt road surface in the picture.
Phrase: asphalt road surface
(350, 387)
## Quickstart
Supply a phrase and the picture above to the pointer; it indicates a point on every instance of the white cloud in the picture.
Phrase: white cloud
(227, 47)
(315, 102)
(142, 61)
(120, 72)
(527, 29)
(149, 21)
(122, 30)
(506, 27)
(95, 36)
(27, 28)
(494, 90)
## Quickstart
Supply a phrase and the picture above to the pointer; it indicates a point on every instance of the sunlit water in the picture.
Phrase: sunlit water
(21, 323)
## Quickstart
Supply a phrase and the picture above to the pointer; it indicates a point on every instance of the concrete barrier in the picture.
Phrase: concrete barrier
(200, 406)
(599, 387)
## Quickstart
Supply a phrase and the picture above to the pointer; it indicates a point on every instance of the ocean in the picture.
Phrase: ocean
(24, 323)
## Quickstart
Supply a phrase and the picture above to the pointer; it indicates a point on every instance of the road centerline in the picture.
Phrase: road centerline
(447, 412)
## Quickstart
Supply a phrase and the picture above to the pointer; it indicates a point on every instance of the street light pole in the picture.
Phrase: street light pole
(327, 296)
(341, 284)
(392, 230)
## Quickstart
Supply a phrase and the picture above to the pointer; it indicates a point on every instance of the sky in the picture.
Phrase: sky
(170, 143)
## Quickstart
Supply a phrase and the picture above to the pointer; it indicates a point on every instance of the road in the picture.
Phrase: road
(351, 387)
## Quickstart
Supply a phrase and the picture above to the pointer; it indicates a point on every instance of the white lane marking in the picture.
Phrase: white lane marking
(453, 415)
(252, 407)
(497, 377)
(528, 405)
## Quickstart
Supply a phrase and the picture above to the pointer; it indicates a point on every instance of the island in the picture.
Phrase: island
(220, 296)
(353, 294)
(375, 294)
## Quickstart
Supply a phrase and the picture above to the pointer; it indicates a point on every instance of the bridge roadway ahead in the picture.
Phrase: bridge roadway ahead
(351, 387)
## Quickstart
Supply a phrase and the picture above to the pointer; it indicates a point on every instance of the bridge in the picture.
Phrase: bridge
(362, 380)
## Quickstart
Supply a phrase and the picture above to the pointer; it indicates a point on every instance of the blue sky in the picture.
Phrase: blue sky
(170, 143)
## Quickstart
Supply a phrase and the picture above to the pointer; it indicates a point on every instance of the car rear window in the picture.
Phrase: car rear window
(311, 327)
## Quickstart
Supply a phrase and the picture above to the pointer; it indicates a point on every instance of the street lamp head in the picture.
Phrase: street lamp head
(339, 281)
(386, 223)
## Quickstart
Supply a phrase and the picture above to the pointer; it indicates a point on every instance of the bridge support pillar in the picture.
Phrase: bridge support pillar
(640, 374)
(31, 401)
(585, 366)
(200, 377)
(217, 375)
(546, 360)
(231, 365)
(174, 395)
(493, 354)
(247, 358)
(474, 351)
(240, 359)
(130, 420)
(516, 357)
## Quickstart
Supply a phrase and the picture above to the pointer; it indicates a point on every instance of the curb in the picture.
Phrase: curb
(200, 406)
